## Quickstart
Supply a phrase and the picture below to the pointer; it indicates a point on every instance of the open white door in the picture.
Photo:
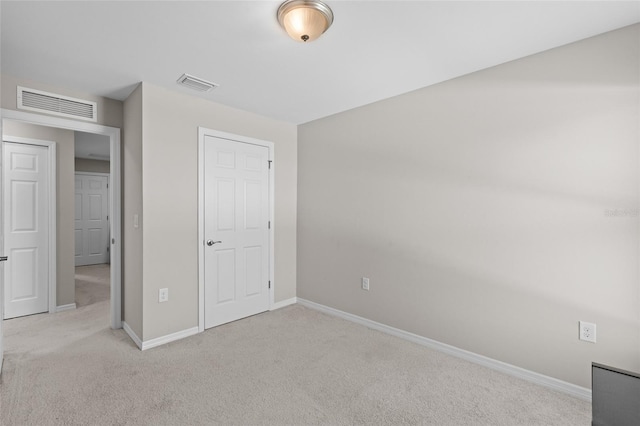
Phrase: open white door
(26, 230)
(236, 230)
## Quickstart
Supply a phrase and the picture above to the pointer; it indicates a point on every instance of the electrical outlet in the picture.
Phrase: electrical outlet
(587, 332)
(365, 283)
(163, 295)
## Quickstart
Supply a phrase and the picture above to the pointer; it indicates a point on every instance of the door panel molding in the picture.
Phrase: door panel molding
(52, 222)
(87, 258)
(202, 134)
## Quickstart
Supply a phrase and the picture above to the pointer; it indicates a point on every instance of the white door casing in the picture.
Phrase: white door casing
(91, 219)
(236, 237)
(27, 229)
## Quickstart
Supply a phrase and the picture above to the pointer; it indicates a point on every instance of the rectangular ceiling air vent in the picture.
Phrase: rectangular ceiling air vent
(196, 83)
(50, 103)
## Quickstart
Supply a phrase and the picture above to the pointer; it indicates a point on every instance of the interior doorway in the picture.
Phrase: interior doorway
(91, 220)
(112, 139)
(91, 227)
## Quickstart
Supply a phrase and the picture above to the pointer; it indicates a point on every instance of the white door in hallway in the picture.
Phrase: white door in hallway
(26, 229)
(236, 230)
(92, 219)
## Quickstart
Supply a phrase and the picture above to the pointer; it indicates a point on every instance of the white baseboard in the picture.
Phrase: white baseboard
(69, 307)
(531, 376)
(148, 344)
(132, 334)
(283, 303)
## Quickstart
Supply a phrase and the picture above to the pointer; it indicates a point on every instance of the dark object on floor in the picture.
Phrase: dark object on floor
(615, 395)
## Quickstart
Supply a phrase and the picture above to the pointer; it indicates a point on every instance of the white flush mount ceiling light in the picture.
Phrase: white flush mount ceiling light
(305, 20)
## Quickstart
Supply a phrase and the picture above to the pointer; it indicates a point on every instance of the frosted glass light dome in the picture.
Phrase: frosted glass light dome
(305, 20)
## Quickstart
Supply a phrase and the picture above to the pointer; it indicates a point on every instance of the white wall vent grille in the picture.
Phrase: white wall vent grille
(196, 83)
(50, 103)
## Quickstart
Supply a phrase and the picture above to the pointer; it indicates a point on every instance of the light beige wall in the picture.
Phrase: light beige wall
(132, 195)
(94, 166)
(65, 293)
(170, 198)
(109, 110)
(478, 209)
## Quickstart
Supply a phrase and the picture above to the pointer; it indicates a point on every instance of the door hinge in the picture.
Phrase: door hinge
(107, 217)
(270, 161)
(269, 225)
(269, 284)
(107, 185)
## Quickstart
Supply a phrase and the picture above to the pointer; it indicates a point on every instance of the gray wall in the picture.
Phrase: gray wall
(479, 209)
(132, 195)
(169, 190)
(66, 289)
(95, 166)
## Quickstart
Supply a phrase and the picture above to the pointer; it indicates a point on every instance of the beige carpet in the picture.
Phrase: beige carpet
(92, 284)
(294, 366)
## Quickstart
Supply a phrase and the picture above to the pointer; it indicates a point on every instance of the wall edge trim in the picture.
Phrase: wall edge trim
(158, 341)
(132, 334)
(67, 307)
(283, 303)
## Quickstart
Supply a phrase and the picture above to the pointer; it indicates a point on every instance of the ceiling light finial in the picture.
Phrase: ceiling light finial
(305, 20)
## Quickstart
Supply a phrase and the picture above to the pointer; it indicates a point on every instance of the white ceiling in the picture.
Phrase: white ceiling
(374, 50)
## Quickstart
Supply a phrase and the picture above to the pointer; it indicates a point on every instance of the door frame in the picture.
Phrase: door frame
(53, 205)
(202, 133)
(100, 174)
(115, 210)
